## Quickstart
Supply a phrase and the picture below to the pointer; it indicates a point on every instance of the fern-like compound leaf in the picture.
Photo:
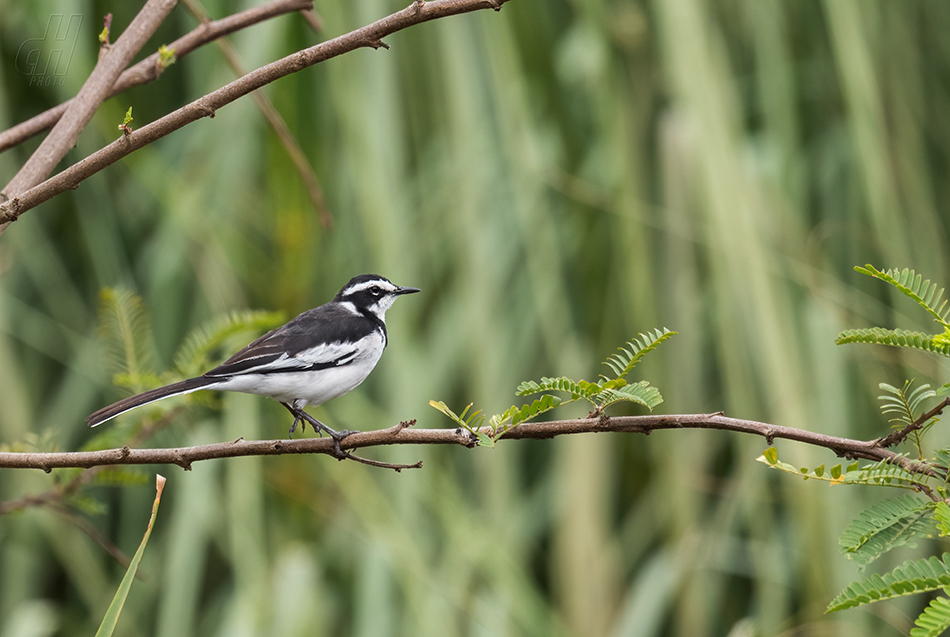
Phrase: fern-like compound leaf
(887, 525)
(912, 577)
(469, 421)
(905, 407)
(126, 334)
(642, 393)
(935, 619)
(885, 473)
(897, 338)
(623, 362)
(194, 356)
(515, 415)
(834, 476)
(577, 389)
(942, 518)
(927, 295)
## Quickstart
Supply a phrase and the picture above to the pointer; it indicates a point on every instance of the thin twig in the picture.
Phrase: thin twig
(149, 69)
(368, 36)
(113, 59)
(900, 435)
(94, 534)
(276, 122)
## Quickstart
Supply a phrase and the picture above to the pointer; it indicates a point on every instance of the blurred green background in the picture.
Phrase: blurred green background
(556, 177)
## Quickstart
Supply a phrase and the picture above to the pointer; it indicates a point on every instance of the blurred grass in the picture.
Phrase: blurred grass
(556, 178)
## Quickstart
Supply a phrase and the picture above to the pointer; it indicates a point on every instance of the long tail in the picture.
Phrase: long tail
(124, 405)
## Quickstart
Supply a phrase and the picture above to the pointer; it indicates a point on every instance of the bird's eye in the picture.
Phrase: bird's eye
(375, 290)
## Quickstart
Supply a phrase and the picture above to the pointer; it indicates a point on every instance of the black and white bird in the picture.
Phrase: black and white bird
(320, 355)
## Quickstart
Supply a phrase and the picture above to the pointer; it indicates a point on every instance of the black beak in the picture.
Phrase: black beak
(407, 290)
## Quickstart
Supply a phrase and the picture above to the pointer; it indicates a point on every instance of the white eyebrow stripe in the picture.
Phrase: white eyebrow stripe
(365, 285)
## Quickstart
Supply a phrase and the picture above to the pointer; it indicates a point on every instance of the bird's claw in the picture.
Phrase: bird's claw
(320, 428)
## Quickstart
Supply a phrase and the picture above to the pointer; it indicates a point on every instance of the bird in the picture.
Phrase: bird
(321, 354)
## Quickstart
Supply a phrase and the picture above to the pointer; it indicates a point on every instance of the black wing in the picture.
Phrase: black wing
(317, 339)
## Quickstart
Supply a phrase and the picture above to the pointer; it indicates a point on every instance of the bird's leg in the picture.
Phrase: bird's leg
(296, 414)
(319, 427)
(293, 427)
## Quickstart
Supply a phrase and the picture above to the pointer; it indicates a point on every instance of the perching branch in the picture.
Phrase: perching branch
(113, 59)
(403, 434)
(370, 36)
(149, 69)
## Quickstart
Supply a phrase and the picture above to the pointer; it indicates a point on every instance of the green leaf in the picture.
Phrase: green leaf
(577, 389)
(905, 408)
(514, 415)
(441, 406)
(770, 458)
(111, 617)
(885, 526)
(895, 338)
(468, 421)
(640, 392)
(934, 620)
(910, 578)
(126, 336)
(880, 473)
(166, 56)
(942, 517)
(884, 473)
(911, 284)
(624, 362)
(194, 356)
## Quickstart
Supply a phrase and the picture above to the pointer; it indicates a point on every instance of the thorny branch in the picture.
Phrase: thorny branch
(370, 36)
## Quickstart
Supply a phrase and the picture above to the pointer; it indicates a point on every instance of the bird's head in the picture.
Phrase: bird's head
(372, 293)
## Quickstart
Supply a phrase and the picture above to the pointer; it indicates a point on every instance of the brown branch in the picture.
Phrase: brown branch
(368, 36)
(64, 490)
(112, 61)
(403, 435)
(149, 69)
(900, 435)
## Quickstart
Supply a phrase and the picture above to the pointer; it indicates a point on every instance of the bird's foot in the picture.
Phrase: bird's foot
(293, 427)
(319, 428)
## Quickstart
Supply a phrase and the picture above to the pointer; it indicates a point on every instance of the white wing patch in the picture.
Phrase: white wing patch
(343, 353)
(356, 361)
(326, 353)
